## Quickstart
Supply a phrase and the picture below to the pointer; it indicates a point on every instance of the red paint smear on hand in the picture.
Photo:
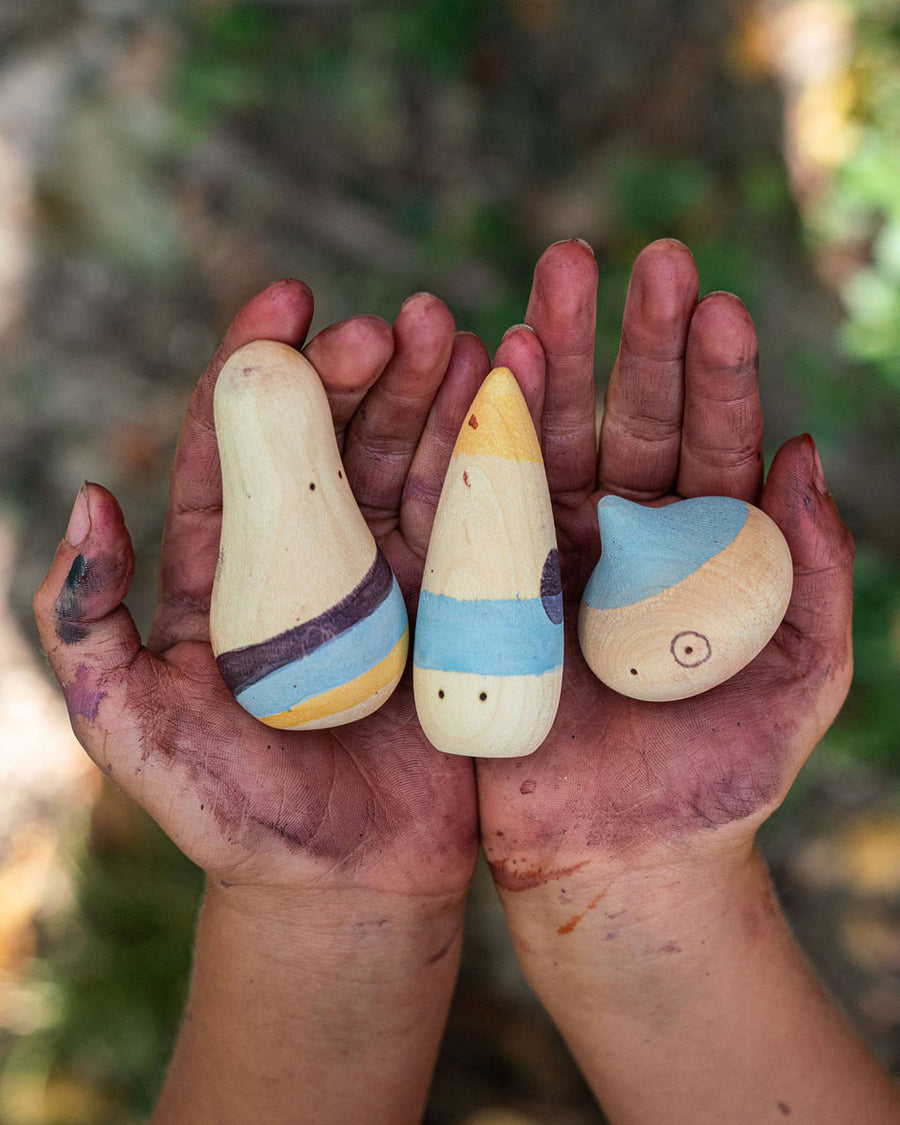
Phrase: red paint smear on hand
(466, 479)
(473, 421)
(524, 880)
(568, 927)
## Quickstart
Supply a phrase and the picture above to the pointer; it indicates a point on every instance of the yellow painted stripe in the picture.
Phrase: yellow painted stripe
(347, 695)
(498, 422)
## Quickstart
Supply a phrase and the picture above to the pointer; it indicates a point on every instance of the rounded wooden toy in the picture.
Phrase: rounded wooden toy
(683, 596)
(488, 651)
(307, 622)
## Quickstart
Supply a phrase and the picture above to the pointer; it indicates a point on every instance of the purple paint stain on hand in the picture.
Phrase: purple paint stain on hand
(82, 696)
(66, 606)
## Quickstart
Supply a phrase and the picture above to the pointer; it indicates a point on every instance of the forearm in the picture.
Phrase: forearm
(299, 1021)
(685, 999)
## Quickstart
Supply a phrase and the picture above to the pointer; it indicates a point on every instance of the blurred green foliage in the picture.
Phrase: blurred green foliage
(860, 212)
(374, 78)
(862, 207)
(114, 972)
(869, 726)
(126, 961)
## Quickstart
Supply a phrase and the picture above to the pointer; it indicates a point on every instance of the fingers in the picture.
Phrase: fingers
(640, 437)
(721, 446)
(349, 357)
(89, 637)
(469, 364)
(562, 310)
(520, 350)
(797, 498)
(382, 437)
(191, 538)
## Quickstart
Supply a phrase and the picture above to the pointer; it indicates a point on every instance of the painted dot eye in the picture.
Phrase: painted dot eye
(441, 694)
(312, 486)
(483, 696)
(690, 649)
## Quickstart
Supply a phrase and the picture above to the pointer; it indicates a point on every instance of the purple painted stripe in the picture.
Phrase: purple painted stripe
(242, 667)
(551, 587)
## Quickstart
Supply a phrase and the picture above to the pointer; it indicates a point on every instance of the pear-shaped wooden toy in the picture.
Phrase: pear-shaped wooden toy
(307, 622)
(488, 651)
(683, 596)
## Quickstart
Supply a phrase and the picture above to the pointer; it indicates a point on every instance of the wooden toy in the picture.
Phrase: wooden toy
(683, 596)
(488, 651)
(307, 622)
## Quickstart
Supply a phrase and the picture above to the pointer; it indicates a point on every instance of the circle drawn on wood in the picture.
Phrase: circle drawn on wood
(690, 649)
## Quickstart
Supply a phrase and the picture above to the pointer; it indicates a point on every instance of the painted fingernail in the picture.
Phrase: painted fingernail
(79, 526)
(818, 473)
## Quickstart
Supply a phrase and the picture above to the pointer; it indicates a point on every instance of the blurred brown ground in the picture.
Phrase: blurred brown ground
(131, 230)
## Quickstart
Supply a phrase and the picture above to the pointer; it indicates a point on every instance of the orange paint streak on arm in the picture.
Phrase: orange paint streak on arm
(568, 927)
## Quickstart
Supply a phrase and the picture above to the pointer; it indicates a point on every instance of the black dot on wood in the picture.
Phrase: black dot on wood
(634, 671)
(312, 486)
(483, 696)
(441, 694)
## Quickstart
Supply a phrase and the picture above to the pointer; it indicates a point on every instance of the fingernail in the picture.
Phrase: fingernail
(416, 297)
(79, 526)
(517, 328)
(818, 473)
(581, 241)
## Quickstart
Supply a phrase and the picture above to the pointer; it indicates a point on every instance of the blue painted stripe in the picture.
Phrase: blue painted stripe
(338, 661)
(241, 667)
(648, 550)
(494, 637)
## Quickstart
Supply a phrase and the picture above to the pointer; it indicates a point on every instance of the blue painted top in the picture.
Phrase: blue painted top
(648, 550)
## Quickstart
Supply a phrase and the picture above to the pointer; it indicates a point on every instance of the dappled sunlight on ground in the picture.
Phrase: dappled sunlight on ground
(47, 786)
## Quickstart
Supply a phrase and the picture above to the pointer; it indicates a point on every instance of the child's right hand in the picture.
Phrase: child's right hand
(369, 806)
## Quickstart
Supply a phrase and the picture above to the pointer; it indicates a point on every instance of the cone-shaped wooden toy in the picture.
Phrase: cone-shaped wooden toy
(307, 621)
(683, 596)
(488, 653)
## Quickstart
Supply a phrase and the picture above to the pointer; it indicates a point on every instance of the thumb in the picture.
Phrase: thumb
(816, 631)
(90, 638)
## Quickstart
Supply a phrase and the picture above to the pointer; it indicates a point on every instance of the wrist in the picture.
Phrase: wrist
(683, 997)
(355, 924)
(330, 1004)
(628, 935)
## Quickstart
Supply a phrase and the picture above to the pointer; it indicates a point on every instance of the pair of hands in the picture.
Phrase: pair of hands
(618, 784)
